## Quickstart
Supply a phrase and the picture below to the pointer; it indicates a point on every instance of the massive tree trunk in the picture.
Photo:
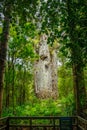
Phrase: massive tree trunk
(3, 50)
(46, 71)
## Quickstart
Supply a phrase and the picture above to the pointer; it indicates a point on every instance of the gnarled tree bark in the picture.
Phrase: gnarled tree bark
(46, 71)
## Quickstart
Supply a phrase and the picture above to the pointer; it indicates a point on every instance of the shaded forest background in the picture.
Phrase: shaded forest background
(22, 23)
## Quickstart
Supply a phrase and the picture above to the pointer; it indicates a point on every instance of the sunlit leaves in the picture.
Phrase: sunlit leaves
(21, 40)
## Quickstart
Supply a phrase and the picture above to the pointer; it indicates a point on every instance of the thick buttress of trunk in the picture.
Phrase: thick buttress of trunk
(46, 71)
(3, 50)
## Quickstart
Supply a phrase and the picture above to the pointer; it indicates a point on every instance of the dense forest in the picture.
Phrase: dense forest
(22, 24)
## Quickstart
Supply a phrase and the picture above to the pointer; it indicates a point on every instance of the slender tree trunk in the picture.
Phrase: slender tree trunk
(24, 82)
(6, 89)
(79, 89)
(7, 84)
(76, 90)
(3, 50)
(13, 76)
(77, 61)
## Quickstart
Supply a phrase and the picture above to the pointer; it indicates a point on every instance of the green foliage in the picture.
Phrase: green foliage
(38, 108)
(41, 107)
(65, 87)
(69, 30)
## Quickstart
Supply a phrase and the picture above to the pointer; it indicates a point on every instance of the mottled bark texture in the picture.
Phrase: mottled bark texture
(46, 71)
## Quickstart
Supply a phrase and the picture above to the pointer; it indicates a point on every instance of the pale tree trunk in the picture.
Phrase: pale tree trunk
(45, 71)
(54, 74)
